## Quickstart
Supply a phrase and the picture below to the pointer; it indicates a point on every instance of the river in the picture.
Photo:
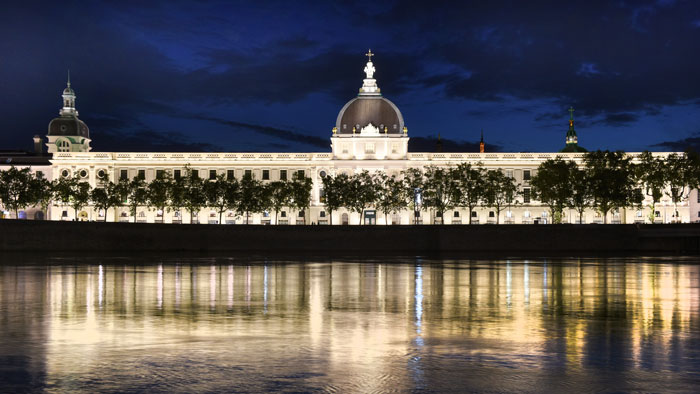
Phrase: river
(231, 325)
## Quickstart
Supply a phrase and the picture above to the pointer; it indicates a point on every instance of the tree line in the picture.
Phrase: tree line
(604, 181)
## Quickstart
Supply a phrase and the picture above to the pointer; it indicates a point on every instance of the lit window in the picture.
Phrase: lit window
(369, 148)
(265, 175)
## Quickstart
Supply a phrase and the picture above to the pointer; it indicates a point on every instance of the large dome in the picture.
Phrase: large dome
(68, 126)
(363, 110)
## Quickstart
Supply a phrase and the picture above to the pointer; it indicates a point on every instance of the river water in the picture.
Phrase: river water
(227, 325)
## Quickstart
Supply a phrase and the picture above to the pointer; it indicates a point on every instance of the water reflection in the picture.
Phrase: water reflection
(448, 325)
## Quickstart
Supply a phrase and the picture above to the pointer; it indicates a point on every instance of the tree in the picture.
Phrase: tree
(361, 193)
(392, 195)
(280, 194)
(41, 190)
(611, 179)
(218, 193)
(72, 192)
(652, 172)
(441, 190)
(194, 197)
(100, 199)
(471, 184)
(499, 191)
(301, 192)
(177, 195)
(413, 183)
(581, 196)
(137, 195)
(250, 197)
(681, 173)
(15, 192)
(334, 190)
(552, 185)
(158, 192)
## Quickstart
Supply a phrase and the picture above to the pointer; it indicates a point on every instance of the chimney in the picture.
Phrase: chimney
(37, 146)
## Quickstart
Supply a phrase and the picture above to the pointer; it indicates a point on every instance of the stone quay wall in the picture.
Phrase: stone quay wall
(257, 240)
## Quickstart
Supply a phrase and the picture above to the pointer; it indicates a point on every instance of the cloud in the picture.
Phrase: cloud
(689, 143)
(282, 134)
(147, 141)
(430, 144)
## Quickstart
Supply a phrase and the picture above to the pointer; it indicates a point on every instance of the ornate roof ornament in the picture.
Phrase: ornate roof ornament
(369, 87)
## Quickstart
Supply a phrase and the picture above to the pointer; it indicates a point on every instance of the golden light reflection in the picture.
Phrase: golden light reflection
(372, 325)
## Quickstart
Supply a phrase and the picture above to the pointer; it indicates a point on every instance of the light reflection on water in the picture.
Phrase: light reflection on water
(224, 325)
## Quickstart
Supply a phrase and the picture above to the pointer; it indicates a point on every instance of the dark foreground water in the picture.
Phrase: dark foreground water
(396, 326)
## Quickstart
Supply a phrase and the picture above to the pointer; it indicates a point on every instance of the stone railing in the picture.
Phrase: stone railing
(155, 156)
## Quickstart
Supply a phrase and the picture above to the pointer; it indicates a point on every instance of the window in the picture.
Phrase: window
(456, 214)
(248, 174)
(39, 174)
(322, 195)
(124, 174)
(394, 147)
(229, 174)
(509, 214)
(195, 173)
(491, 214)
(212, 174)
(526, 195)
(283, 175)
(639, 214)
(142, 174)
(322, 174)
(657, 214)
(526, 214)
(509, 173)
(83, 173)
(345, 148)
(322, 214)
(526, 175)
(159, 174)
(698, 192)
(284, 214)
(65, 173)
(301, 214)
(63, 146)
(101, 174)
(473, 214)
(177, 174)
(266, 175)
(300, 174)
(369, 148)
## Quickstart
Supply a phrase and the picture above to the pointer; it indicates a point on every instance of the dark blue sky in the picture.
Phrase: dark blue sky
(272, 76)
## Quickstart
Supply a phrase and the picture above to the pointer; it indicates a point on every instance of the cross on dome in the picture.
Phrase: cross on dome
(369, 55)
(370, 84)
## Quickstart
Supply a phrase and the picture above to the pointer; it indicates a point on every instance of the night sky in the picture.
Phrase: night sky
(272, 76)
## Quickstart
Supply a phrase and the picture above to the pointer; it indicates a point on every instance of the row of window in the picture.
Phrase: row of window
(230, 174)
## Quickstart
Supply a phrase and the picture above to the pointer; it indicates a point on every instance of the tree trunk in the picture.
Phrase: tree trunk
(330, 219)
(276, 213)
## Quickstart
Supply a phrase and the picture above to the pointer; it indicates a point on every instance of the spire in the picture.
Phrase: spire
(571, 137)
(68, 100)
(482, 146)
(369, 87)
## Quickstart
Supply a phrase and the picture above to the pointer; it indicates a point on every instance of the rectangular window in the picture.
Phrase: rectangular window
(177, 174)
(526, 195)
(124, 174)
(283, 175)
(509, 173)
(195, 173)
(300, 174)
(159, 174)
(229, 175)
(698, 192)
(526, 175)
(369, 148)
(248, 174)
(322, 196)
(266, 175)
(142, 174)
(212, 174)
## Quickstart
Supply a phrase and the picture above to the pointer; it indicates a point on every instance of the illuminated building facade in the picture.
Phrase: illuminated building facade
(369, 134)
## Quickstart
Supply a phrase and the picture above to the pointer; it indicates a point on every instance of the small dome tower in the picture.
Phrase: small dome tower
(67, 133)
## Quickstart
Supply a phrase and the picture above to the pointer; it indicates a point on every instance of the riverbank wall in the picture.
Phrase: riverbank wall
(449, 240)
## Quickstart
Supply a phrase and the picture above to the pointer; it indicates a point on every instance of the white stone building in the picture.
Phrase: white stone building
(369, 134)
